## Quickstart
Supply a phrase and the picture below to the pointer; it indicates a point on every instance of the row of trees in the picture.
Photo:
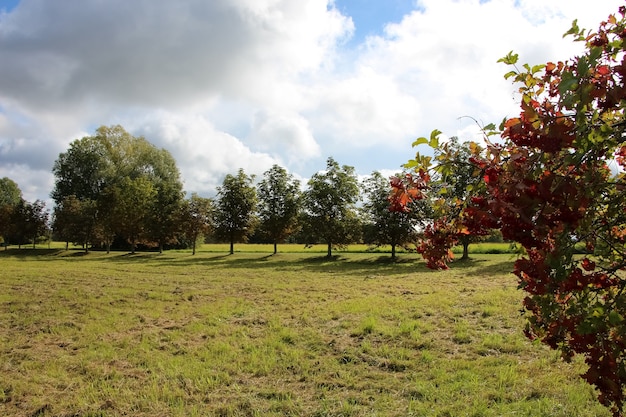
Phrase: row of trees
(114, 189)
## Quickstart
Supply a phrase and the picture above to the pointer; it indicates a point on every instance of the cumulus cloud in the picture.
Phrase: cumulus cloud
(228, 84)
(160, 53)
(204, 155)
(287, 135)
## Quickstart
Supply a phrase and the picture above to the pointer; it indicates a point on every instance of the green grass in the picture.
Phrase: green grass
(254, 334)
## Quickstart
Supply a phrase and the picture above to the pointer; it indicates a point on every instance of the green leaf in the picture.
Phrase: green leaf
(574, 30)
(510, 74)
(419, 141)
(568, 83)
(434, 139)
(510, 58)
(615, 318)
(537, 68)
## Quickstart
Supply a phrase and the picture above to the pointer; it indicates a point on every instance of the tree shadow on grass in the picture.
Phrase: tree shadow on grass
(482, 267)
(29, 252)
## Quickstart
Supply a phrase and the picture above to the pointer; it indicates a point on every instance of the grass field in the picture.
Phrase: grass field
(252, 334)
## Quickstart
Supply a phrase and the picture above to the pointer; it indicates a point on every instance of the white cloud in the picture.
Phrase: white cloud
(286, 135)
(204, 155)
(228, 84)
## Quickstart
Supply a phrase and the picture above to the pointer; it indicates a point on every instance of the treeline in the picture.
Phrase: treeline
(114, 190)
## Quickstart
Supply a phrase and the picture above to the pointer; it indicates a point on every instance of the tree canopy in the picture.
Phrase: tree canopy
(235, 218)
(279, 204)
(97, 169)
(329, 205)
(383, 226)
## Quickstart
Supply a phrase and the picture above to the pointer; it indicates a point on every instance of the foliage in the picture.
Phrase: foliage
(10, 197)
(10, 193)
(96, 168)
(132, 199)
(383, 226)
(29, 222)
(557, 181)
(196, 218)
(235, 212)
(329, 206)
(74, 221)
(279, 204)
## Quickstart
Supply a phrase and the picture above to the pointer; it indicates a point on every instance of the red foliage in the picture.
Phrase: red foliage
(548, 187)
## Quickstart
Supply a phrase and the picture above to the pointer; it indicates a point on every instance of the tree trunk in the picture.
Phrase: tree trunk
(465, 250)
(393, 252)
(275, 248)
(232, 243)
(67, 245)
(160, 247)
(329, 253)
(193, 247)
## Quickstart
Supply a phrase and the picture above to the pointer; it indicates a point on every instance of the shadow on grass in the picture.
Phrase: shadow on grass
(480, 267)
(357, 264)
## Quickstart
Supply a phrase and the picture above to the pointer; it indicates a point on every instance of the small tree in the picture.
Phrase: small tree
(383, 226)
(279, 204)
(74, 221)
(458, 181)
(236, 204)
(196, 218)
(329, 205)
(29, 222)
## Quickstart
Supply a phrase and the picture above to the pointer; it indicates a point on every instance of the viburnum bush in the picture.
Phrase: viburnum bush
(554, 183)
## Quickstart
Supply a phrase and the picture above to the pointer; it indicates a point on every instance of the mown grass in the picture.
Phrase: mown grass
(254, 334)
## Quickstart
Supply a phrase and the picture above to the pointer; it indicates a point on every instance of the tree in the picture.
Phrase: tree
(10, 193)
(329, 205)
(74, 220)
(458, 181)
(10, 197)
(555, 185)
(196, 218)
(279, 204)
(236, 205)
(94, 168)
(132, 200)
(383, 226)
(29, 222)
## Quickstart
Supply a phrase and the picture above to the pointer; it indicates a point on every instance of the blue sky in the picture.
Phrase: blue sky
(229, 84)
(8, 5)
(371, 16)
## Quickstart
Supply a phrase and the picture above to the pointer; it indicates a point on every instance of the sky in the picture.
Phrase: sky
(229, 84)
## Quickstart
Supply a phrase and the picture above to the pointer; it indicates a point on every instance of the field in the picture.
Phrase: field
(258, 334)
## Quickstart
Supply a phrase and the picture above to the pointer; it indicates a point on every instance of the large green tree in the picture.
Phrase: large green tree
(95, 167)
(279, 204)
(235, 217)
(329, 206)
(555, 185)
